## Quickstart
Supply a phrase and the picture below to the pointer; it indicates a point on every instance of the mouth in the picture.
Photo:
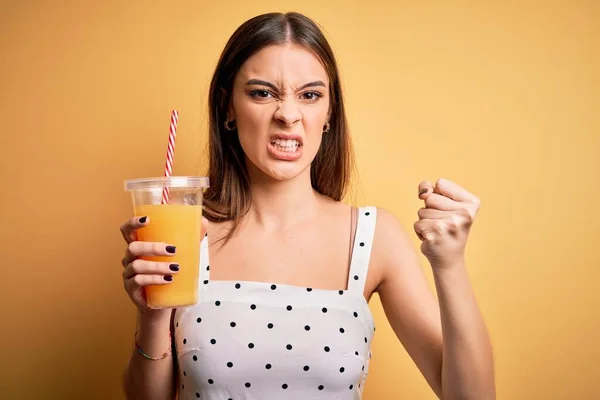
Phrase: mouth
(286, 147)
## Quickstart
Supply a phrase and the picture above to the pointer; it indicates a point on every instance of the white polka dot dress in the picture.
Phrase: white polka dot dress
(264, 341)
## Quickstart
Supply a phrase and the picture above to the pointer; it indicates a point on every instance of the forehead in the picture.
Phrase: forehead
(285, 64)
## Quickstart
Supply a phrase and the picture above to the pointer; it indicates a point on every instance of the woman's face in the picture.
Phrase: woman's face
(280, 103)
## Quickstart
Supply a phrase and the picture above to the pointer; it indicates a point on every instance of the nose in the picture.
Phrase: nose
(288, 113)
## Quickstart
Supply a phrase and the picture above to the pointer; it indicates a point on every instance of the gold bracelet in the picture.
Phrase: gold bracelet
(139, 349)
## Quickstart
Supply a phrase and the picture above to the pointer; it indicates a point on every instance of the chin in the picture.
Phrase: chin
(278, 170)
(283, 171)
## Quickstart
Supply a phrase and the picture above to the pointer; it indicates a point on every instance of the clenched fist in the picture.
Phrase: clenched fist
(445, 221)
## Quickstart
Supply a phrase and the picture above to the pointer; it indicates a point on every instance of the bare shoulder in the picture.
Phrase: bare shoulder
(392, 247)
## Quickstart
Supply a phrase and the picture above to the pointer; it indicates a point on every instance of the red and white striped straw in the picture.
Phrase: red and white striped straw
(170, 153)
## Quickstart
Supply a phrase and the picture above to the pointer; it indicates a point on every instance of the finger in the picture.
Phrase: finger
(440, 202)
(140, 266)
(455, 192)
(138, 249)
(129, 228)
(143, 280)
(432, 229)
(423, 230)
(425, 187)
(431, 213)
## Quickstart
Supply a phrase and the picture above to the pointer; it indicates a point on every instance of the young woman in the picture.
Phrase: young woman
(283, 310)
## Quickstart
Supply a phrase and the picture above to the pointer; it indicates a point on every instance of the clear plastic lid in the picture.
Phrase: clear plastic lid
(192, 182)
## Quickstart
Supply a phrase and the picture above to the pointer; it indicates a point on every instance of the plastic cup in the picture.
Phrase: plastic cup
(178, 223)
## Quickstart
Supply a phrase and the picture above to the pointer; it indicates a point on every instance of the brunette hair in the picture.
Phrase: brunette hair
(228, 198)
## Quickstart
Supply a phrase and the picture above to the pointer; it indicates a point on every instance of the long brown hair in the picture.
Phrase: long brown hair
(228, 198)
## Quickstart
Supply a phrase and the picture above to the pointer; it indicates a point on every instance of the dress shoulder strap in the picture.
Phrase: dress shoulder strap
(204, 275)
(361, 249)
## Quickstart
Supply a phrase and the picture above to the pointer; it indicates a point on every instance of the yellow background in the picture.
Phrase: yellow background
(502, 97)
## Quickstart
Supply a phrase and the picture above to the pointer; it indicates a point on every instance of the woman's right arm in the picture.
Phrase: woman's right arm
(151, 379)
(145, 377)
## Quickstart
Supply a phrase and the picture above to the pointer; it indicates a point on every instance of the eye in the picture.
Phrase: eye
(260, 94)
(311, 96)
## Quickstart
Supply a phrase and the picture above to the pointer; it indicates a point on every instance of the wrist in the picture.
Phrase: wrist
(449, 265)
(154, 318)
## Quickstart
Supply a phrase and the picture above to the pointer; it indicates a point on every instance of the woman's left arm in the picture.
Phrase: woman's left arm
(447, 339)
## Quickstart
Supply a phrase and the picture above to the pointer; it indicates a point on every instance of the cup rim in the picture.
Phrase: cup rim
(191, 182)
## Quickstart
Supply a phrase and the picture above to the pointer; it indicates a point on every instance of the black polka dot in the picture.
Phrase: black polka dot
(253, 306)
(373, 329)
(351, 386)
(237, 286)
(250, 345)
(355, 277)
(184, 373)
(268, 366)
(321, 387)
(289, 347)
(197, 395)
(307, 328)
(213, 341)
(232, 324)
(366, 340)
(247, 384)
(230, 364)
(362, 244)
(198, 320)
(177, 325)
(284, 386)
(342, 370)
(217, 303)
(327, 349)
(342, 330)
(367, 213)
(363, 367)
(195, 358)
(210, 381)
(208, 267)
(356, 352)
(341, 292)
(273, 287)
(306, 368)
(206, 282)
(184, 341)
(270, 326)
(289, 308)
(355, 314)
(324, 309)
(309, 289)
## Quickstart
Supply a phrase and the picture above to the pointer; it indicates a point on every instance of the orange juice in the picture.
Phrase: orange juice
(178, 225)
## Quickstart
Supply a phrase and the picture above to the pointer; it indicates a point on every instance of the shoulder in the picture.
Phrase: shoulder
(393, 247)
(388, 230)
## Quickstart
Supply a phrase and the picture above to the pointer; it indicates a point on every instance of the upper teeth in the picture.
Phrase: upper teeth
(286, 143)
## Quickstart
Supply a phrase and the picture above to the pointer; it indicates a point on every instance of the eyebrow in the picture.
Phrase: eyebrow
(272, 86)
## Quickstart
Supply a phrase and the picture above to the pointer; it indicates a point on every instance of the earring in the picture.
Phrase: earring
(326, 127)
(230, 125)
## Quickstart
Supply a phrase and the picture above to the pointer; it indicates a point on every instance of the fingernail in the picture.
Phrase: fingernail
(423, 191)
(143, 220)
(170, 249)
(174, 267)
(168, 278)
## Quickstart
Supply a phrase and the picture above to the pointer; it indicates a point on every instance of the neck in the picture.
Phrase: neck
(281, 204)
